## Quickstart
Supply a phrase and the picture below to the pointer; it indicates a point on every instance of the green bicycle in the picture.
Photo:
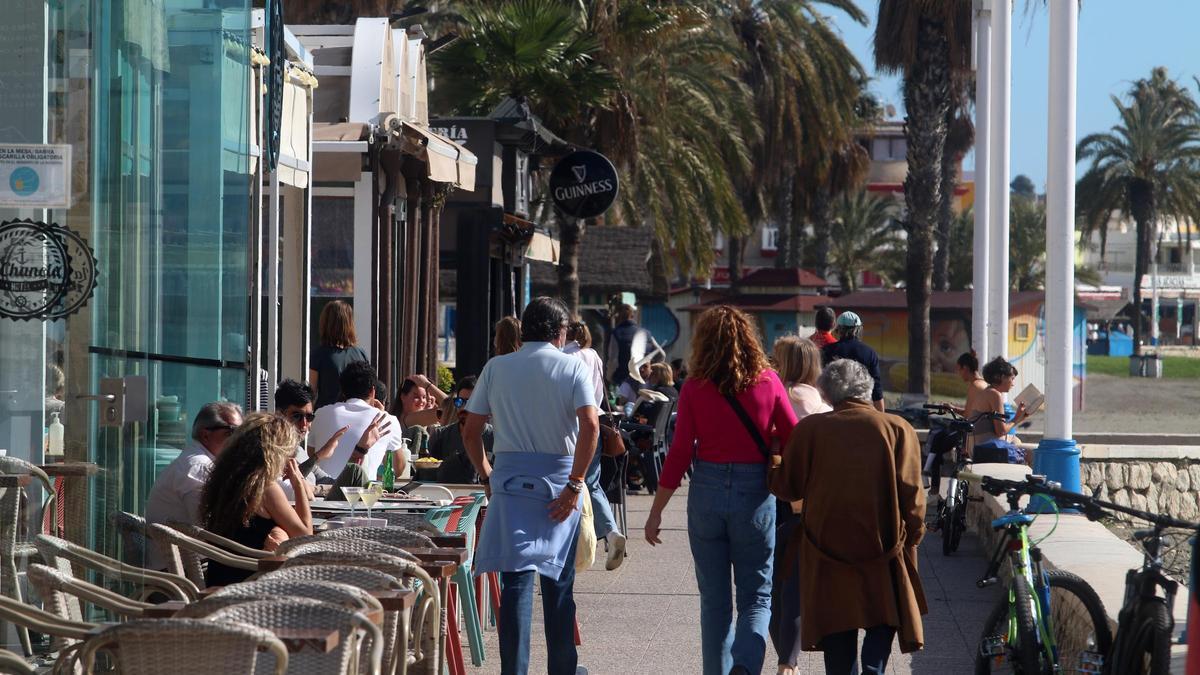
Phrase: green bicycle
(1050, 621)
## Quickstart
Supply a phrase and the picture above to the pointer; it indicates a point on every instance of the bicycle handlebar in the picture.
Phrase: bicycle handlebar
(1091, 506)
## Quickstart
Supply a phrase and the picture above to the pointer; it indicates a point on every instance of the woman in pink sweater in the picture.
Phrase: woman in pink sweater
(733, 417)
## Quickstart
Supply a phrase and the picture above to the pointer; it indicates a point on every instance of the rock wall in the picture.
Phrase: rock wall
(1159, 486)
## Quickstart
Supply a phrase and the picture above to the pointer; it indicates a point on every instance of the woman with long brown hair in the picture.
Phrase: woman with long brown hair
(243, 500)
(508, 335)
(733, 415)
(338, 349)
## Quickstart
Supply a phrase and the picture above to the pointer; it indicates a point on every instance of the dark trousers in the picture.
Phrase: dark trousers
(516, 618)
(840, 650)
(785, 591)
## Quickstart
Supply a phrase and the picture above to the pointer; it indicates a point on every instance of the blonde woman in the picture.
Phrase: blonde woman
(731, 516)
(798, 361)
(338, 349)
(243, 500)
(508, 335)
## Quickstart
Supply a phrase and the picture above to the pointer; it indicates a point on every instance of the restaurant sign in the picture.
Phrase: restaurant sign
(584, 184)
(35, 176)
(47, 272)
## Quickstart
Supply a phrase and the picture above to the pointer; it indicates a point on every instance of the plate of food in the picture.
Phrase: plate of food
(425, 468)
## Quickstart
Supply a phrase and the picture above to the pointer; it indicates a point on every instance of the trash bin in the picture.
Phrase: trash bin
(1145, 365)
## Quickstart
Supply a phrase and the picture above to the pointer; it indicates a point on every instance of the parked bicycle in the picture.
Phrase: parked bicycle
(948, 435)
(1145, 624)
(1049, 621)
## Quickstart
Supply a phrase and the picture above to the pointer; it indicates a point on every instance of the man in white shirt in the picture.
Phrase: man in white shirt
(363, 423)
(176, 493)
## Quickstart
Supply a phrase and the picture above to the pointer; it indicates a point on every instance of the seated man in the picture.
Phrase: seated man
(175, 495)
(446, 441)
(366, 432)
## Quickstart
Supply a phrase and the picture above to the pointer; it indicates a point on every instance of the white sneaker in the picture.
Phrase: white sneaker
(616, 550)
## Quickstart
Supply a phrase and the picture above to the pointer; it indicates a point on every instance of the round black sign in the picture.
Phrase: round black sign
(46, 271)
(584, 184)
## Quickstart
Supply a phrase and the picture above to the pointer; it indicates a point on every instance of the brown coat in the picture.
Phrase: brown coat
(859, 473)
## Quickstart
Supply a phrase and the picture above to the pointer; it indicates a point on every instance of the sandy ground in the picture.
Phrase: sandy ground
(1137, 405)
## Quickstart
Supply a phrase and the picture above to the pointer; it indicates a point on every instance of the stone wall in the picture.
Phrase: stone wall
(1165, 485)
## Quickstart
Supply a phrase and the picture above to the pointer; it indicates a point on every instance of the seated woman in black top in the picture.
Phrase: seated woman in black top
(243, 499)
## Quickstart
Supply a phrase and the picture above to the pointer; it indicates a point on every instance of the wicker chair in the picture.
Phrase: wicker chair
(13, 546)
(298, 613)
(395, 638)
(66, 633)
(69, 557)
(185, 554)
(412, 521)
(303, 545)
(415, 634)
(12, 664)
(134, 538)
(346, 595)
(197, 532)
(399, 537)
(185, 647)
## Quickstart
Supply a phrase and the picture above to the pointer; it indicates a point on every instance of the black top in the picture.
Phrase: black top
(329, 362)
(446, 444)
(856, 350)
(254, 534)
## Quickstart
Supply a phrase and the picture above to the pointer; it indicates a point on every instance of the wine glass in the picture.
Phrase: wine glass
(371, 495)
(352, 495)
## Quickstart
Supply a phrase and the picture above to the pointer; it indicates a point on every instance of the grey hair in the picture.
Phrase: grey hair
(214, 415)
(845, 379)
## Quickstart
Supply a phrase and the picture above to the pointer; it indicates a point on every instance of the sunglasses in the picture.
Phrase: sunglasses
(300, 416)
(459, 401)
(223, 427)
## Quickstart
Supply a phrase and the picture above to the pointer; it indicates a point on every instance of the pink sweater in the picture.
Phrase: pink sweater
(708, 429)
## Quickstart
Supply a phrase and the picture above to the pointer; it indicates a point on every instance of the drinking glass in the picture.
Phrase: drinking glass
(371, 495)
(352, 495)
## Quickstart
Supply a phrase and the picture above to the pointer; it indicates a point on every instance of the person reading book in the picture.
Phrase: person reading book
(993, 434)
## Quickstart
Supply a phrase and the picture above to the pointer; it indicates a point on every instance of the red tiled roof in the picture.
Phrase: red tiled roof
(766, 303)
(783, 278)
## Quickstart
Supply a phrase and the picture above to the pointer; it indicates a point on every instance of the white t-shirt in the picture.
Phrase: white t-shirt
(806, 400)
(592, 359)
(356, 414)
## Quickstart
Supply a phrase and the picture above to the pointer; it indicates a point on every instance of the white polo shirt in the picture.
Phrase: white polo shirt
(533, 395)
(175, 495)
(356, 414)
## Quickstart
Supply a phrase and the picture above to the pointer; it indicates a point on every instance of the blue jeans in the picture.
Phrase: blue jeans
(840, 650)
(602, 514)
(514, 624)
(731, 524)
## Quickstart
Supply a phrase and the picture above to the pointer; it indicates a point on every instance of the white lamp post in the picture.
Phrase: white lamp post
(1058, 456)
(979, 272)
(998, 198)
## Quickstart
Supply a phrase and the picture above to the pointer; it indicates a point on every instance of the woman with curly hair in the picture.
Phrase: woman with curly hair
(243, 499)
(733, 416)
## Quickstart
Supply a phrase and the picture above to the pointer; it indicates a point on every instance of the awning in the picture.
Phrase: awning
(341, 131)
(467, 162)
(295, 161)
(441, 154)
(542, 247)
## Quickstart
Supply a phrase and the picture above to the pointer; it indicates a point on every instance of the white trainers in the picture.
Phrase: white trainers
(616, 550)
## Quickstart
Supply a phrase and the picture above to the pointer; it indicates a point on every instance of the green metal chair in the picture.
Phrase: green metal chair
(461, 518)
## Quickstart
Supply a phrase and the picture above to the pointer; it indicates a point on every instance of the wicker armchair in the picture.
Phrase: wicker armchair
(392, 536)
(13, 546)
(297, 613)
(70, 557)
(185, 554)
(197, 532)
(134, 538)
(304, 545)
(12, 664)
(417, 633)
(345, 595)
(411, 521)
(66, 633)
(185, 647)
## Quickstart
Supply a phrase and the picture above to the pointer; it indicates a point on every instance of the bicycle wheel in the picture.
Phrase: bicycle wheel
(998, 655)
(1077, 621)
(1150, 648)
(959, 517)
(946, 523)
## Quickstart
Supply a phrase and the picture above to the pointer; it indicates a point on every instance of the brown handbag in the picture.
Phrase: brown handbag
(611, 443)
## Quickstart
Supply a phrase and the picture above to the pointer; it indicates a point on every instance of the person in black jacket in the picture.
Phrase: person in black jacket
(850, 346)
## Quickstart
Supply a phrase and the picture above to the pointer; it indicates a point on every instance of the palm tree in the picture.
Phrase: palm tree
(928, 42)
(1027, 242)
(959, 139)
(1146, 166)
(862, 236)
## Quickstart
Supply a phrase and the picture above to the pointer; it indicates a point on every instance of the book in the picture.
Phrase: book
(1032, 397)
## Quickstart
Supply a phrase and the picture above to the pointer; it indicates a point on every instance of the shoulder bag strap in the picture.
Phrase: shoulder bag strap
(749, 424)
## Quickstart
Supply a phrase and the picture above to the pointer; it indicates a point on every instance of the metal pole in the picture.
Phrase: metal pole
(999, 128)
(983, 114)
(1155, 335)
(1057, 456)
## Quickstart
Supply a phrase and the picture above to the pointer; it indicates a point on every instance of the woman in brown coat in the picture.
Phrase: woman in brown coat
(858, 471)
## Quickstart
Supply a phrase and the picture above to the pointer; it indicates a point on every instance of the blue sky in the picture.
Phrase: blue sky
(1119, 41)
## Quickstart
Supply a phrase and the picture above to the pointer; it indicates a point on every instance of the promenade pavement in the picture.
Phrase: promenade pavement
(644, 618)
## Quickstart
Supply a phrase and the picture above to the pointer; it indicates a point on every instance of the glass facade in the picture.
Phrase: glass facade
(154, 99)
